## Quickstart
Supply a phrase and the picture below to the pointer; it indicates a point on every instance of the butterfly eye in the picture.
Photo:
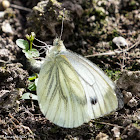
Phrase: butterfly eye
(93, 101)
(56, 42)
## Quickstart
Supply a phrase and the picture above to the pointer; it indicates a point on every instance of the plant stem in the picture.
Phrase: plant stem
(31, 43)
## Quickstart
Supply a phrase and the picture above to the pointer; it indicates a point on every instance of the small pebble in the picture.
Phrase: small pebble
(6, 27)
(127, 96)
(5, 4)
(120, 41)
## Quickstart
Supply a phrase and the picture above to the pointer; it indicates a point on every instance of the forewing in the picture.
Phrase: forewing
(61, 95)
(99, 89)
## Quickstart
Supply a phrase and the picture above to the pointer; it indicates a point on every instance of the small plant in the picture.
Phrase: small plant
(32, 83)
(26, 48)
(30, 54)
(114, 75)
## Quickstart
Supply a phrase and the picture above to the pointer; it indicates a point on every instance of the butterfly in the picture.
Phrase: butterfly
(72, 90)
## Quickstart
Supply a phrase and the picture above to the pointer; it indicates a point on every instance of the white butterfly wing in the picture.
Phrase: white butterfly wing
(60, 93)
(102, 95)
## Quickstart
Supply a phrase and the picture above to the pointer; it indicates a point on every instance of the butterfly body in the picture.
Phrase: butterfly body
(72, 90)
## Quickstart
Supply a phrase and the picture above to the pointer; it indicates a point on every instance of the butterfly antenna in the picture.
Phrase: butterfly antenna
(62, 24)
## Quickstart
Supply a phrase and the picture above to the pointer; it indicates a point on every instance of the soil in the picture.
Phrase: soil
(89, 34)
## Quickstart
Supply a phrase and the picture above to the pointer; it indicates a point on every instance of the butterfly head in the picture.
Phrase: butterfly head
(58, 43)
(57, 47)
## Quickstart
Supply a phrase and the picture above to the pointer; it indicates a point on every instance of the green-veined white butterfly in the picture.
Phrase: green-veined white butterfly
(72, 90)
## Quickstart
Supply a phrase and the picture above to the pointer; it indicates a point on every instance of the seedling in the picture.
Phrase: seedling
(27, 49)
(30, 54)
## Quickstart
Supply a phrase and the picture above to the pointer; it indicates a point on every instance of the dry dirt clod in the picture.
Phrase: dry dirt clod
(132, 103)
(127, 96)
(130, 81)
(8, 99)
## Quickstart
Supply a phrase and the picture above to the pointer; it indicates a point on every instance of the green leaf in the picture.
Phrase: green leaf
(31, 53)
(29, 96)
(23, 44)
(34, 53)
(32, 86)
(33, 77)
(27, 54)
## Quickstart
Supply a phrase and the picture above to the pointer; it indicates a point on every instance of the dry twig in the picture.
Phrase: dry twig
(105, 123)
(123, 51)
(113, 52)
(21, 8)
